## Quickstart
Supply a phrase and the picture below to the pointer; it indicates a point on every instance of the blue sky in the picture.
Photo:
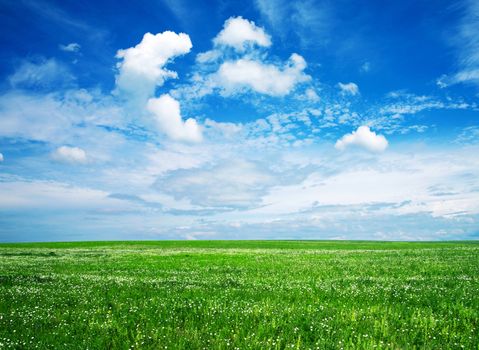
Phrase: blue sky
(239, 120)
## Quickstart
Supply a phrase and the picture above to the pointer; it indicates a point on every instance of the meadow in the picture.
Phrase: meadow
(239, 295)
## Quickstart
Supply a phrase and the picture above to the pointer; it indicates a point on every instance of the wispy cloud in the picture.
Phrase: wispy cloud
(365, 67)
(41, 73)
(349, 89)
(56, 14)
(72, 47)
(466, 42)
(310, 21)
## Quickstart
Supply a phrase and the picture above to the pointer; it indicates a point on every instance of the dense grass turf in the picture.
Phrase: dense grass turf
(239, 295)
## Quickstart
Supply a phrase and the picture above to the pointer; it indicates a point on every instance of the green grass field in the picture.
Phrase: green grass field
(239, 295)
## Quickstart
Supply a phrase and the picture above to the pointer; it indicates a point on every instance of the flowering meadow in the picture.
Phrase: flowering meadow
(239, 295)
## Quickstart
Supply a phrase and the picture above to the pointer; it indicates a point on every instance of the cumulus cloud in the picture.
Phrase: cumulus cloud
(168, 117)
(234, 76)
(72, 47)
(239, 33)
(73, 155)
(142, 67)
(245, 68)
(348, 89)
(363, 137)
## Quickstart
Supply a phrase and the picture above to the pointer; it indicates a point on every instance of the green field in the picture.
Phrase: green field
(239, 295)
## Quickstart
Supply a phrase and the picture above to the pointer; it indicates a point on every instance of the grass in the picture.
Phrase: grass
(239, 295)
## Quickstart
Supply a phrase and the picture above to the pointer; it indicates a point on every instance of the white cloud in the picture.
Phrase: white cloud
(264, 78)
(161, 161)
(221, 69)
(365, 67)
(234, 183)
(412, 105)
(389, 118)
(142, 67)
(239, 33)
(33, 117)
(73, 155)
(27, 194)
(55, 117)
(209, 56)
(72, 47)
(41, 73)
(466, 42)
(468, 135)
(438, 184)
(225, 129)
(470, 75)
(1, 157)
(183, 11)
(348, 89)
(168, 117)
(274, 11)
(365, 138)
(311, 95)
(66, 21)
(199, 176)
(312, 23)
